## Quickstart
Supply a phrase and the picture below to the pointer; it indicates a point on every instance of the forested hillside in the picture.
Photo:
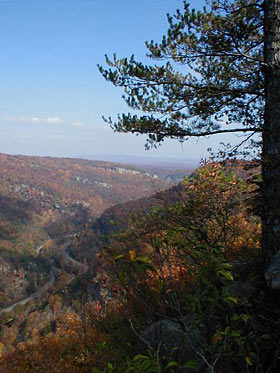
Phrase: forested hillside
(43, 199)
(151, 279)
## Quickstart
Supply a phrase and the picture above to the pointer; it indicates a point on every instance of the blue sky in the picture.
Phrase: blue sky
(52, 95)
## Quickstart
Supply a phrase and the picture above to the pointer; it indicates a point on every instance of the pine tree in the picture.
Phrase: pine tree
(209, 79)
(217, 71)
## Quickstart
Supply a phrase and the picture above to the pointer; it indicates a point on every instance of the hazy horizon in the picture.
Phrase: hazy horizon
(168, 162)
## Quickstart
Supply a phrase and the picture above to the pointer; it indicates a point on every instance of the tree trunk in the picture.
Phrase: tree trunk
(271, 134)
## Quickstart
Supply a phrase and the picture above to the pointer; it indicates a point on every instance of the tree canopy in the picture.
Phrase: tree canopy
(207, 79)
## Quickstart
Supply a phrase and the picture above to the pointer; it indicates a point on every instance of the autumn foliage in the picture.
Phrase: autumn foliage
(193, 257)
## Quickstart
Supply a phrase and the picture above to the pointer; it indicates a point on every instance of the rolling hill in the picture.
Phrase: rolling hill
(43, 199)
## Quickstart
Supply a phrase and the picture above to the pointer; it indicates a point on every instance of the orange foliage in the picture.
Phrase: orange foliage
(65, 351)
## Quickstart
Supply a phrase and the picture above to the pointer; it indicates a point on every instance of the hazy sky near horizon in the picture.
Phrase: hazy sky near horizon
(52, 94)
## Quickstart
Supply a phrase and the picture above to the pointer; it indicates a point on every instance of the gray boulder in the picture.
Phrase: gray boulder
(169, 337)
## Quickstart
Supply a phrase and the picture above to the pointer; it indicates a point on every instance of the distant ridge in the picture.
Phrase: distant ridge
(170, 162)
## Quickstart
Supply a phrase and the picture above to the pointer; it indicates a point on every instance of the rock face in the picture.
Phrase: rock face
(272, 274)
(167, 335)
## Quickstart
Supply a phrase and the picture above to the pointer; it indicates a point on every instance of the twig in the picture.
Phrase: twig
(139, 336)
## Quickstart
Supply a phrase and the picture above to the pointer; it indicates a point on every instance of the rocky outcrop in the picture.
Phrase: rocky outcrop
(167, 336)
